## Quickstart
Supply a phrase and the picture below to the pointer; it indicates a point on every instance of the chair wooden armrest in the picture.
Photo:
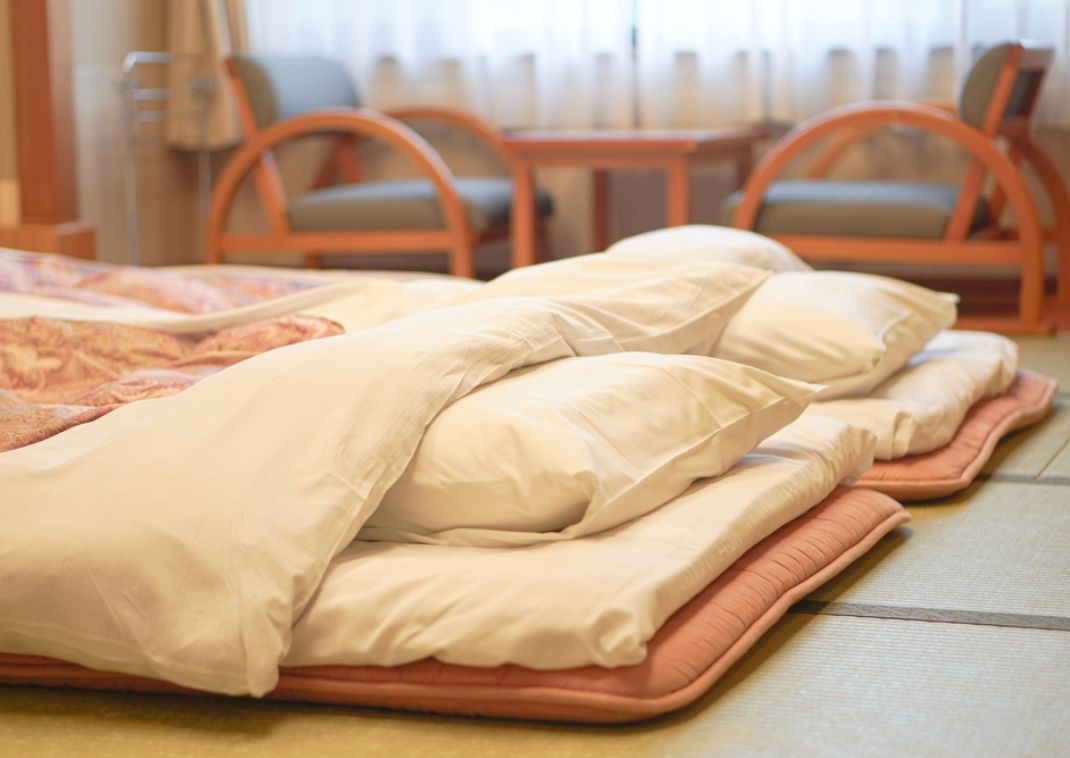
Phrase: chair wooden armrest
(360, 123)
(872, 117)
(466, 122)
(981, 147)
(839, 144)
(341, 161)
(941, 103)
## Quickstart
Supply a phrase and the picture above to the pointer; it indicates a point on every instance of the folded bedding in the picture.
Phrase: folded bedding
(919, 408)
(594, 600)
(955, 465)
(861, 336)
(201, 299)
(655, 305)
(56, 374)
(580, 445)
(845, 330)
(649, 306)
(699, 242)
(937, 420)
(104, 284)
(537, 472)
(937, 401)
(164, 539)
(34, 284)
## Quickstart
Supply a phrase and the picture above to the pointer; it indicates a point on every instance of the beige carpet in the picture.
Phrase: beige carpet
(951, 638)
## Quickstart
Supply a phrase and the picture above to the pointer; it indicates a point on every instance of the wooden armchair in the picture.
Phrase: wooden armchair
(284, 98)
(878, 220)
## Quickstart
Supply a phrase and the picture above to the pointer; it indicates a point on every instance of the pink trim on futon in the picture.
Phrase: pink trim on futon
(684, 659)
(954, 466)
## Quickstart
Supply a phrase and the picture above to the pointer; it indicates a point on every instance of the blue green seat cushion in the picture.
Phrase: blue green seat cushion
(856, 208)
(405, 204)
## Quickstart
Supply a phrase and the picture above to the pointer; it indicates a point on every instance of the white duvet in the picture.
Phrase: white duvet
(181, 538)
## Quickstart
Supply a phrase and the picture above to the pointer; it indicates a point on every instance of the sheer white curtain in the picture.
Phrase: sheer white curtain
(572, 63)
(713, 62)
(204, 32)
(549, 63)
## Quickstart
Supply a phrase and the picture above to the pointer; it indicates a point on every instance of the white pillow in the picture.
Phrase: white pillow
(845, 330)
(653, 305)
(710, 243)
(580, 445)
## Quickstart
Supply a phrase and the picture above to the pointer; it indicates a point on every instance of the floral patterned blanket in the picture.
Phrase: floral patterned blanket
(55, 374)
(109, 284)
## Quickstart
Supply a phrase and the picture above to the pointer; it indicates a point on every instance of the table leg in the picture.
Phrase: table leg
(677, 193)
(600, 214)
(523, 216)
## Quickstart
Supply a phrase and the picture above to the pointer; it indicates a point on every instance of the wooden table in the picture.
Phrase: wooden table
(674, 152)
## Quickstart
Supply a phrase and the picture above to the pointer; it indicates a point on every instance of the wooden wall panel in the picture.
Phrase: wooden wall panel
(44, 131)
(9, 183)
(44, 124)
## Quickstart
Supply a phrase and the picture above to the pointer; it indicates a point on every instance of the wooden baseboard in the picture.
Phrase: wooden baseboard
(77, 239)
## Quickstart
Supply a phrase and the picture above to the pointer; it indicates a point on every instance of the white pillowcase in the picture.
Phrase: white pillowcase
(580, 445)
(845, 330)
(655, 305)
(710, 243)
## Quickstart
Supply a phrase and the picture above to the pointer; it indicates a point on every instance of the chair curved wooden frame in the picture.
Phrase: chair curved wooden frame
(253, 156)
(346, 127)
(1024, 149)
(341, 163)
(1020, 246)
(843, 141)
(341, 160)
(463, 121)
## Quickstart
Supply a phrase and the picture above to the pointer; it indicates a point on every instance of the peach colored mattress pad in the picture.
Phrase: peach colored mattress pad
(686, 656)
(954, 466)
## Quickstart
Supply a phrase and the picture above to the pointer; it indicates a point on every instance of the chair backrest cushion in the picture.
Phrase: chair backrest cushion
(980, 86)
(280, 87)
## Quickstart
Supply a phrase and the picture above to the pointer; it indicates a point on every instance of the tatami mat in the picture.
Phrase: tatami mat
(815, 685)
(1028, 453)
(997, 548)
(1047, 354)
(831, 686)
(1059, 468)
(43, 722)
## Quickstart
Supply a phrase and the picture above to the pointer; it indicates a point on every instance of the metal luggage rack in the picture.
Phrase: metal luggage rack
(144, 105)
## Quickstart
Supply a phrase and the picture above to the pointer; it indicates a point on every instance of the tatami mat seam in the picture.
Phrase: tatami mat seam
(1063, 450)
(932, 615)
(1052, 481)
